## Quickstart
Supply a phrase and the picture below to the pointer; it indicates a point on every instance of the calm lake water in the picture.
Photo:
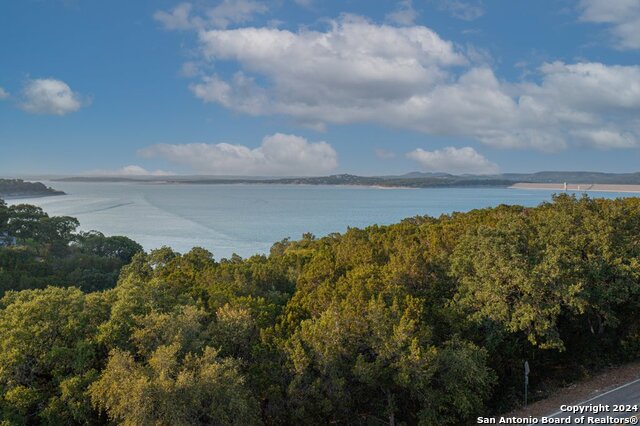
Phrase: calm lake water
(248, 219)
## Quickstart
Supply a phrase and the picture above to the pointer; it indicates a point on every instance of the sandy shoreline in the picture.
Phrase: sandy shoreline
(583, 187)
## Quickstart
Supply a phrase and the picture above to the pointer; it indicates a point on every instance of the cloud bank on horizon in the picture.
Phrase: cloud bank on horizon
(454, 160)
(132, 170)
(279, 154)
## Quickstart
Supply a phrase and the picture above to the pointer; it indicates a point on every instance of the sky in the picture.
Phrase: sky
(313, 87)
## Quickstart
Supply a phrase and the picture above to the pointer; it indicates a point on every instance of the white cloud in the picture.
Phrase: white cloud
(178, 19)
(571, 102)
(384, 154)
(333, 76)
(591, 87)
(467, 10)
(50, 96)
(453, 160)
(607, 139)
(3, 94)
(235, 11)
(230, 95)
(225, 13)
(278, 155)
(357, 71)
(132, 170)
(622, 15)
(404, 14)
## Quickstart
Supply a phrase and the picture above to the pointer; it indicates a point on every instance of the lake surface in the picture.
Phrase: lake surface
(248, 219)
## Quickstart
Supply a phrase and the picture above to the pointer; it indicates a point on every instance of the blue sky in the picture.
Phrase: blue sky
(312, 87)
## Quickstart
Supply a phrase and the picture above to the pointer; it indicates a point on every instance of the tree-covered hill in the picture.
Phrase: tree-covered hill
(409, 180)
(430, 181)
(427, 321)
(21, 188)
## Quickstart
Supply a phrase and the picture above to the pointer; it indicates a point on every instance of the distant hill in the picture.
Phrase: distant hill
(343, 179)
(575, 177)
(410, 180)
(21, 188)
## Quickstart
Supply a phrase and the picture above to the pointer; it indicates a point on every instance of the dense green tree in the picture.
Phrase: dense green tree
(370, 355)
(49, 354)
(4, 215)
(117, 247)
(172, 376)
(50, 252)
(171, 390)
(25, 221)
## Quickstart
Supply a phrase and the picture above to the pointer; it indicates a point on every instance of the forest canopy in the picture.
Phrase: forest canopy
(427, 321)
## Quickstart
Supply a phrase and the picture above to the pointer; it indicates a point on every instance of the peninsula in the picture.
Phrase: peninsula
(17, 188)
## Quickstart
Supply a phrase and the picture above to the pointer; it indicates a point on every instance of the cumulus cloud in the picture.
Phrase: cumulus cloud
(623, 16)
(3, 94)
(453, 160)
(340, 75)
(278, 155)
(467, 10)
(50, 96)
(357, 71)
(225, 13)
(132, 170)
(404, 14)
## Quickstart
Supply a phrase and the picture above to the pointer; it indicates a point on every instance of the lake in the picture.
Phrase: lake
(248, 219)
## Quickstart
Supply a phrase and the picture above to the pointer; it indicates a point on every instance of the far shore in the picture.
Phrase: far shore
(582, 187)
(8, 197)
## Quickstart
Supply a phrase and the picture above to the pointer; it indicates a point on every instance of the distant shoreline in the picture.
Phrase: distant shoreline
(554, 181)
(333, 180)
(583, 187)
(7, 197)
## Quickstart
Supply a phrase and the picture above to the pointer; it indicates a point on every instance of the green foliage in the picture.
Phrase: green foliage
(173, 390)
(424, 322)
(4, 215)
(48, 353)
(50, 252)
